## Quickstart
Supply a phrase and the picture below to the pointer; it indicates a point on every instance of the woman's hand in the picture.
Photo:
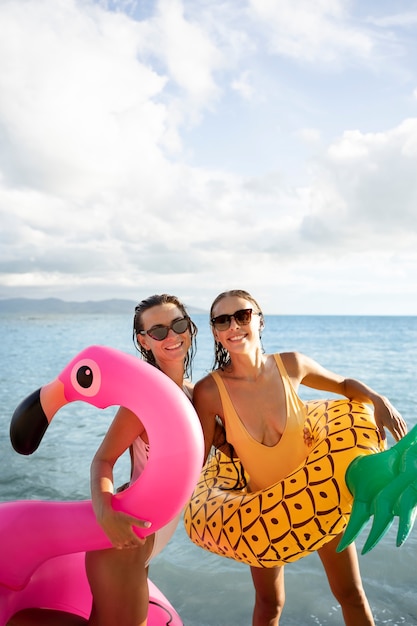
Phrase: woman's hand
(387, 416)
(118, 527)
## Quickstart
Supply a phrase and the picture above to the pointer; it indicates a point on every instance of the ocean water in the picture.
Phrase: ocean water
(208, 590)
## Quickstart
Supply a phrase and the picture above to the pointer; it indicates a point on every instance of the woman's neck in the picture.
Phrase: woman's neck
(175, 371)
(247, 366)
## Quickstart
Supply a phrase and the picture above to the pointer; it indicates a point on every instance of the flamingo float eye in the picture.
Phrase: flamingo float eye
(86, 377)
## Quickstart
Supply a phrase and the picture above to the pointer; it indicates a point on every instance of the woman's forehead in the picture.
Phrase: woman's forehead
(161, 313)
(230, 304)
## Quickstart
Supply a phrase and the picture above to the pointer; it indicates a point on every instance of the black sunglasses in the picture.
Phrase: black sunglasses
(160, 332)
(242, 317)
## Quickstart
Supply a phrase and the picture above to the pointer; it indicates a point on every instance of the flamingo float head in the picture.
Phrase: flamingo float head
(90, 377)
(103, 377)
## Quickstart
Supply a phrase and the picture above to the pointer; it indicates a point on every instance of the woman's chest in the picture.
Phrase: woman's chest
(260, 409)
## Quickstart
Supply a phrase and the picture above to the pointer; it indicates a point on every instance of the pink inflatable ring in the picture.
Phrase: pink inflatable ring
(41, 542)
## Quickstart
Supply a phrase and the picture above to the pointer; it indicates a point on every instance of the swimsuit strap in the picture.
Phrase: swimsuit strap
(293, 400)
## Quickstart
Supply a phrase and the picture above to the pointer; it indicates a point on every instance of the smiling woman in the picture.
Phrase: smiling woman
(119, 561)
(255, 396)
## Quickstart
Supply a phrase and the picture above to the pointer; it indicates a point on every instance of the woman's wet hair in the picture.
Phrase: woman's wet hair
(221, 355)
(158, 300)
(220, 444)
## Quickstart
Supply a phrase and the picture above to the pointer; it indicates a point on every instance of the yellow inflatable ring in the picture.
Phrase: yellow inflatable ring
(297, 515)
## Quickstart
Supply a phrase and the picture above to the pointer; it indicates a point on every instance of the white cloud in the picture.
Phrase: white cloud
(78, 109)
(189, 54)
(182, 46)
(242, 85)
(320, 31)
(309, 135)
(365, 191)
(406, 19)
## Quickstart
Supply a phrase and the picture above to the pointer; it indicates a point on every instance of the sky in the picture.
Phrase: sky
(194, 146)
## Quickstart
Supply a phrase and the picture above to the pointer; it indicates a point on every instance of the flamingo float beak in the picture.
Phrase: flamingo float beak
(33, 416)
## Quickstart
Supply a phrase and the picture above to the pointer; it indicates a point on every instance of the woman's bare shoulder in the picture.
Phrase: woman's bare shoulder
(206, 395)
(205, 385)
(291, 360)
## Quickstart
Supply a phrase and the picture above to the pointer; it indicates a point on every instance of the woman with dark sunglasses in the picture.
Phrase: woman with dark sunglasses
(165, 336)
(255, 396)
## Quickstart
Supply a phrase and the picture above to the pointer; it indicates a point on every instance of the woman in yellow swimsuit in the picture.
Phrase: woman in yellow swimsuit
(255, 396)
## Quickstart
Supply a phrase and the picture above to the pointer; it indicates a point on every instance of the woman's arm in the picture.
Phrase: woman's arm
(304, 370)
(207, 404)
(124, 429)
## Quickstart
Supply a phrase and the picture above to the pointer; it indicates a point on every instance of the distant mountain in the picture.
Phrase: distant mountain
(55, 305)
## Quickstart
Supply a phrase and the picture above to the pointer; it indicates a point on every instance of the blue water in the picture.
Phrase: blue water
(205, 589)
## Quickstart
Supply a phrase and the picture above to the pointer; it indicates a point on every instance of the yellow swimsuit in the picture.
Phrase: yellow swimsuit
(266, 465)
